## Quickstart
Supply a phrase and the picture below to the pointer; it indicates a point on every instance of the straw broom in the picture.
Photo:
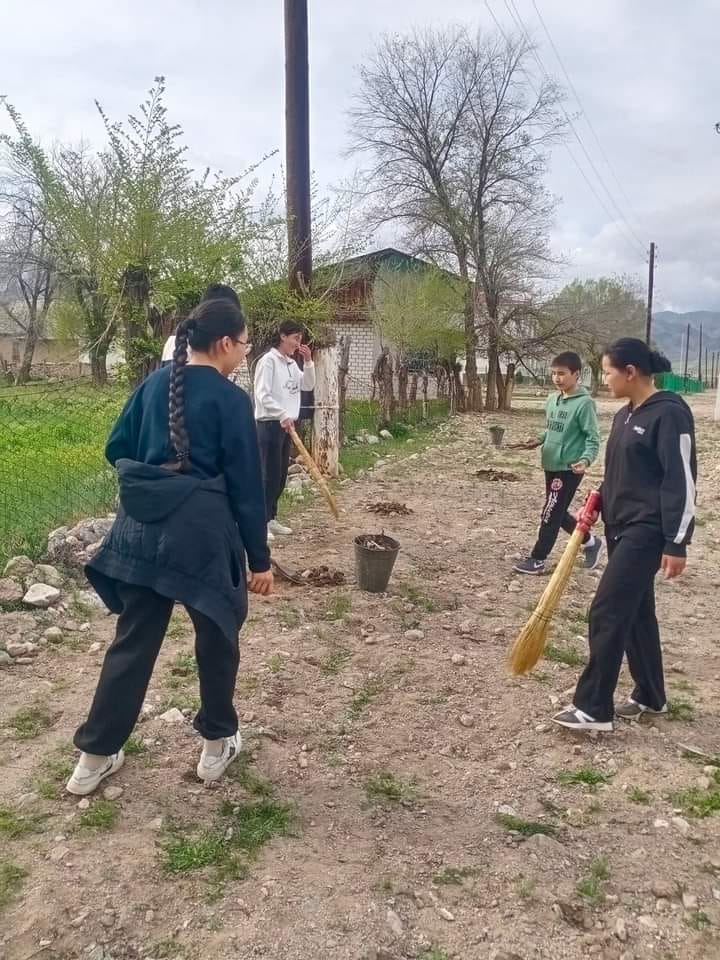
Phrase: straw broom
(314, 472)
(529, 646)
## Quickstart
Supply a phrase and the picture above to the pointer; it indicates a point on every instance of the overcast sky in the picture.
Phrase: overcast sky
(647, 74)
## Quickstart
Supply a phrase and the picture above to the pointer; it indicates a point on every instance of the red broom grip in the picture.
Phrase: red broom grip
(592, 505)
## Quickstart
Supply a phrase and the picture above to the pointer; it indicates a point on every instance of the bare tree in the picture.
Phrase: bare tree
(28, 280)
(458, 136)
(598, 312)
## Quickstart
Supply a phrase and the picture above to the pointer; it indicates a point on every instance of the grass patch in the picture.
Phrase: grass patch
(276, 663)
(247, 684)
(454, 876)
(587, 776)
(386, 786)
(698, 802)
(229, 845)
(180, 701)
(335, 661)
(29, 722)
(13, 825)
(680, 709)
(289, 617)
(12, 878)
(179, 626)
(134, 746)
(526, 828)
(102, 815)
(338, 607)
(239, 772)
(564, 653)
(697, 920)
(435, 953)
(56, 769)
(637, 795)
(166, 949)
(525, 888)
(363, 697)
(414, 595)
(592, 887)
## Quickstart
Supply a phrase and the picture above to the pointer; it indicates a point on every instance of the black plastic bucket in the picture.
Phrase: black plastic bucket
(496, 435)
(374, 566)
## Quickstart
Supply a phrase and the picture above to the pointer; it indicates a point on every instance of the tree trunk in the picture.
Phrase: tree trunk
(326, 419)
(343, 373)
(412, 396)
(491, 397)
(595, 375)
(383, 377)
(31, 338)
(509, 387)
(474, 395)
(500, 385)
(135, 301)
(402, 373)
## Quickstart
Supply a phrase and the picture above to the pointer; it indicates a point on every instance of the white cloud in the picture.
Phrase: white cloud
(645, 74)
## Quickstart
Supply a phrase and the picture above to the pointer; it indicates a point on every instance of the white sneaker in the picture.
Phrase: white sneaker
(84, 780)
(270, 535)
(278, 529)
(212, 767)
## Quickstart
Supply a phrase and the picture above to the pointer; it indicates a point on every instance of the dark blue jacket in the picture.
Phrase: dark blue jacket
(186, 535)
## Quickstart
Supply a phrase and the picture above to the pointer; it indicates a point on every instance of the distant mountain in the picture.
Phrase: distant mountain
(669, 329)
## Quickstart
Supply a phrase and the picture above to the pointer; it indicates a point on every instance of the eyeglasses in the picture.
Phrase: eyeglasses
(244, 343)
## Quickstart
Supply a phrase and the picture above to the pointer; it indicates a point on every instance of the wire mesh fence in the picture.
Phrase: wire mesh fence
(53, 469)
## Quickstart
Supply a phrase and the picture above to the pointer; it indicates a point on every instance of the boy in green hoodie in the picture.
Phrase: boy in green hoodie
(570, 443)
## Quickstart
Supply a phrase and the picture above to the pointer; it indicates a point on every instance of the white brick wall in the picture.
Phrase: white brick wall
(364, 350)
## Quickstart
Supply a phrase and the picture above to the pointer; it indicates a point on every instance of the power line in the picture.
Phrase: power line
(611, 216)
(585, 113)
(521, 25)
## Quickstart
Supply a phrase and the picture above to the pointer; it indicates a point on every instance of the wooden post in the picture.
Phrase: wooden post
(326, 420)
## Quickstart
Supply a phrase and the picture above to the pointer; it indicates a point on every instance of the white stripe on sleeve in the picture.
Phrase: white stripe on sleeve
(689, 510)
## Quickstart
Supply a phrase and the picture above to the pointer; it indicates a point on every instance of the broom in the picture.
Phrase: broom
(528, 648)
(314, 471)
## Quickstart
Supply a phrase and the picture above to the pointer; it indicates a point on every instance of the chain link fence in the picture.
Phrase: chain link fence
(53, 469)
(52, 464)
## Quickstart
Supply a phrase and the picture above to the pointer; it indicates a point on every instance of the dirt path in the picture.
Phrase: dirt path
(388, 754)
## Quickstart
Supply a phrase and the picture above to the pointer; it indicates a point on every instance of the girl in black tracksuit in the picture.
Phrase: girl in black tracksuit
(648, 507)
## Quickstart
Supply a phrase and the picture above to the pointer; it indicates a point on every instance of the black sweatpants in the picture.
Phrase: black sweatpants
(623, 621)
(129, 664)
(560, 488)
(274, 443)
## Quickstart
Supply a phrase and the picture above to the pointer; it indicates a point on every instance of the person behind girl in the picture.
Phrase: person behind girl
(570, 444)
(278, 382)
(191, 510)
(216, 291)
(648, 506)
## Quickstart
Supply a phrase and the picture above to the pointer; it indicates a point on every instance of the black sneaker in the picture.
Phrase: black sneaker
(534, 567)
(573, 719)
(592, 554)
(632, 710)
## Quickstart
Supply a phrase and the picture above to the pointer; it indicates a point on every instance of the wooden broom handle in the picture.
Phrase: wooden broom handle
(314, 472)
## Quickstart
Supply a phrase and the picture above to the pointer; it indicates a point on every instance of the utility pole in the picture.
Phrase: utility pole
(700, 356)
(651, 283)
(687, 353)
(297, 145)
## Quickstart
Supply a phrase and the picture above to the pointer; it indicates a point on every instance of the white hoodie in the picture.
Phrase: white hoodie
(278, 382)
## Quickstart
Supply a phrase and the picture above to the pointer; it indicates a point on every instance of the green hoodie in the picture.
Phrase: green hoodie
(572, 432)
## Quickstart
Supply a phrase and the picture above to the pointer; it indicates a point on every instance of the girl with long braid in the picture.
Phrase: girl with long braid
(191, 511)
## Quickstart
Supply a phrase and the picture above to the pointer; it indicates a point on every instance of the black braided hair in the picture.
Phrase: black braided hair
(209, 322)
(178, 432)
